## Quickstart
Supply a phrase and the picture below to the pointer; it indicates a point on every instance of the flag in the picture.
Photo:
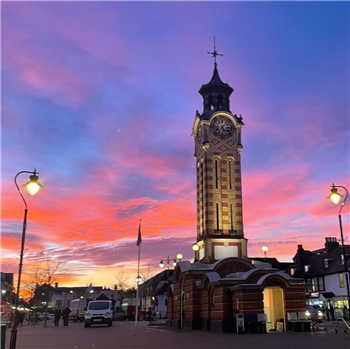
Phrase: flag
(139, 240)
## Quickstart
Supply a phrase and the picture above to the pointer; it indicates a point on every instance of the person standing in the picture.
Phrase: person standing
(65, 316)
(331, 310)
(58, 314)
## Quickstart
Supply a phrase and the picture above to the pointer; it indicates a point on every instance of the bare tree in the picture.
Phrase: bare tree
(41, 276)
(123, 280)
(148, 272)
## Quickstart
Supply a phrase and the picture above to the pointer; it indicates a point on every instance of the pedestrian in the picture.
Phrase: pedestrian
(58, 314)
(149, 313)
(331, 309)
(345, 312)
(21, 318)
(65, 316)
(327, 314)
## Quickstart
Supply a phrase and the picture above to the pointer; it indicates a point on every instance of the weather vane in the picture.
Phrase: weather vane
(215, 52)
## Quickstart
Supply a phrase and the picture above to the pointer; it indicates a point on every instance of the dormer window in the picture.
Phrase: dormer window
(292, 270)
(326, 263)
(306, 268)
(342, 259)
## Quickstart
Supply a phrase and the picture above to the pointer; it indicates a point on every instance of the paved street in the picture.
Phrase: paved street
(125, 335)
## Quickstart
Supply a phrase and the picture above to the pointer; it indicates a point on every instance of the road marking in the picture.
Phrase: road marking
(155, 329)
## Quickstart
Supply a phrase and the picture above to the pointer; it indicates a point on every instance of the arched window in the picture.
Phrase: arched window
(217, 217)
(229, 164)
(219, 102)
(231, 216)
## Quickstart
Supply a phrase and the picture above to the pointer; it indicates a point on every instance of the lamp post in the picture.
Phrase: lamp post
(195, 248)
(3, 292)
(265, 249)
(33, 186)
(335, 198)
(179, 256)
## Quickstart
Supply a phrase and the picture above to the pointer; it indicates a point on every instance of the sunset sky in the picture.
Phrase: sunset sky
(100, 98)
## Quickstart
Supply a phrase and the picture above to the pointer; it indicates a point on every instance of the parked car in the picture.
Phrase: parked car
(119, 317)
(99, 312)
(315, 314)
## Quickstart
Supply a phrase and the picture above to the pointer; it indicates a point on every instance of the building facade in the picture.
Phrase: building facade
(324, 273)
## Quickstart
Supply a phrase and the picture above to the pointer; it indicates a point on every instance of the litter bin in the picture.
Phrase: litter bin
(3, 336)
(240, 323)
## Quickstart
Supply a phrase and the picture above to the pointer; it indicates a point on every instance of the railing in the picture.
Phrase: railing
(347, 326)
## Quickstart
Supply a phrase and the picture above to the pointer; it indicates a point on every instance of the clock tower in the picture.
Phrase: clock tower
(218, 146)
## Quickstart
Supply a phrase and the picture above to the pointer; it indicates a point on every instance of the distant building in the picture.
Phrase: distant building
(7, 289)
(152, 293)
(62, 296)
(324, 273)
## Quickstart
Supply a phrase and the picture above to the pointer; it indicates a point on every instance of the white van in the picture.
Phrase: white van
(99, 312)
(77, 307)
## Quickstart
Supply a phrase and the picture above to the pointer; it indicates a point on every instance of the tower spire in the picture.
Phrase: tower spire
(215, 53)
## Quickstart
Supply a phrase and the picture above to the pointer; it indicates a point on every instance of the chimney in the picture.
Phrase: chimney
(56, 284)
(298, 258)
(331, 244)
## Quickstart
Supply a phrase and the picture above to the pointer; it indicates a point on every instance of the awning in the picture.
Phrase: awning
(328, 295)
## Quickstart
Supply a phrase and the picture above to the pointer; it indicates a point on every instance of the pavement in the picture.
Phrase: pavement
(124, 335)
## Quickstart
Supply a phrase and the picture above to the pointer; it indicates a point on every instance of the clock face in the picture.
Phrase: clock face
(222, 127)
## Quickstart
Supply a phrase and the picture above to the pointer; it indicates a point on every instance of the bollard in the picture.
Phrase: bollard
(3, 336)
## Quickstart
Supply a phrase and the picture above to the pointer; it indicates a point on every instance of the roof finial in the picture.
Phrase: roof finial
(215, 52)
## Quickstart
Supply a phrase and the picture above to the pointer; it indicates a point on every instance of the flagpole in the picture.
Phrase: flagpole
(139, 240)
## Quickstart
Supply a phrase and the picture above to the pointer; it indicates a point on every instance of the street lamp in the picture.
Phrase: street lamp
(265, 249)
(3, 292)
(33, 186)
(335, 198)
(173, 261)
(195, 248)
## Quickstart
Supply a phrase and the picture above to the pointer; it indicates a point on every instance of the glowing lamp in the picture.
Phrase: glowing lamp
(265, 249)
(334, 196)
(195, 247)
(33, 185)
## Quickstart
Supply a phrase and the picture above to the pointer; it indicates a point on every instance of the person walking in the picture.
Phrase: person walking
(65, 316)
(58, 314)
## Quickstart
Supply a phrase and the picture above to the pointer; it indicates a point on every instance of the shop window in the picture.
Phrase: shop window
(341, 280)
(314, 285)
(320, 283)
(309, 285)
